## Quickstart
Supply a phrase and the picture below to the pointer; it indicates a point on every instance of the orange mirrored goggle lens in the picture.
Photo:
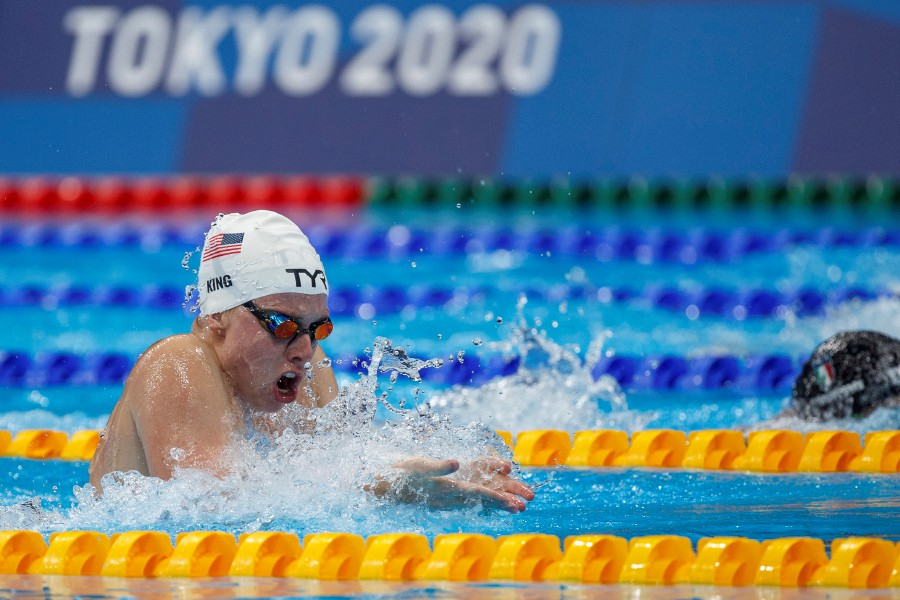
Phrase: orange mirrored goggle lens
(323, 330)
(317, 331)
(285, 329)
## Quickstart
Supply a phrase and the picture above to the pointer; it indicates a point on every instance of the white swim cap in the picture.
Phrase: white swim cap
(247, 256)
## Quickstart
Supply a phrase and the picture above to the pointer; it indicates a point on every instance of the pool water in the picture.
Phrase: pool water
(542, 295)
(627, 503)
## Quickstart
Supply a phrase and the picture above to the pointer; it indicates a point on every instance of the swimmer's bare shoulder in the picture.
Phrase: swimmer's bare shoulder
(176, 396)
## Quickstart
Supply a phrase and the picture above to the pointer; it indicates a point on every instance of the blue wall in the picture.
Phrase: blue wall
(586, 88)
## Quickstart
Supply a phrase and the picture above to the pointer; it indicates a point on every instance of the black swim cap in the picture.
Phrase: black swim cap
(849, 374)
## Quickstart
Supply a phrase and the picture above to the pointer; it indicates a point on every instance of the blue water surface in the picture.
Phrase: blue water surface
(569, 501)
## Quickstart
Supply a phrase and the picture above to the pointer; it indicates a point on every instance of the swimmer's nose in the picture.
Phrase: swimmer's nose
(300, 350)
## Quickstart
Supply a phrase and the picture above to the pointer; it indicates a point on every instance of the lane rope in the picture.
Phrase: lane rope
(765, 451)
(853, 562)
(879, 193)
(604, 244)
(698, 302)
(116, 194)
(47, 194)
(763, 373)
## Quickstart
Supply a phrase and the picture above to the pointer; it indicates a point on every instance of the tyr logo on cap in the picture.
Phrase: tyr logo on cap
(313, 277)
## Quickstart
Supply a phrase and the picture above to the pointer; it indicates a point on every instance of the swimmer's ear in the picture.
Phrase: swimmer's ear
(216, 323)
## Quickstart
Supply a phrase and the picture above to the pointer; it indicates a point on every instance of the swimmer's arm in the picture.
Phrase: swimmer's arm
(487, 480)
(176, 402)
(323, 383)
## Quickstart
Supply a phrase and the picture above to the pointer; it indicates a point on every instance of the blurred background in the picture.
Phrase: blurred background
(654, 89)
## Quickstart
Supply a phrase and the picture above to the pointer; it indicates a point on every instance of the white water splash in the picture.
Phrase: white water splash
(294, 480)
(881, 419)
(553, 388)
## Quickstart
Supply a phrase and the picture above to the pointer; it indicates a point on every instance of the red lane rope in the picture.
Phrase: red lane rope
(42, 194)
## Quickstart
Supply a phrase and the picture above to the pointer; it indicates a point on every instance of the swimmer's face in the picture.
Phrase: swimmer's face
(269, 373)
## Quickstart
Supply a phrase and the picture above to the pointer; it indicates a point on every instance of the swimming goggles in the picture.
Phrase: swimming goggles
(284, 327)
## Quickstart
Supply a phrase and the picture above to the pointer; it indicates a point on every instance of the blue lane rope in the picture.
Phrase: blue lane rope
(757, 373)
(605, 244)
(712, 301)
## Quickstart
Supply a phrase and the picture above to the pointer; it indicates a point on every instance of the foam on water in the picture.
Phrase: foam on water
(882, 314)
(882, 419)
(44, 419)
(553, 388)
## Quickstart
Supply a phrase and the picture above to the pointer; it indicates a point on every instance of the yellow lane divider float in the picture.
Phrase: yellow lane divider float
(769, 451)
(587, 559)
(46, 443)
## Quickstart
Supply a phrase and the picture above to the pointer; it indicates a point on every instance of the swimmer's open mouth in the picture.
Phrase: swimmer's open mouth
(286, 387)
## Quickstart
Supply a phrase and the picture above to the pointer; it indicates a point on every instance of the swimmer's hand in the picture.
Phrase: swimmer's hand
(486, 479)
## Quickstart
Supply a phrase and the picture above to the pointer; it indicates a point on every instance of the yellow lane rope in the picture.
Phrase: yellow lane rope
(772, 451)
(588, 559)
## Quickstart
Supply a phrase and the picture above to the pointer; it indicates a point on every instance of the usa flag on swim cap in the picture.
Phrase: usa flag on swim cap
(222, 244)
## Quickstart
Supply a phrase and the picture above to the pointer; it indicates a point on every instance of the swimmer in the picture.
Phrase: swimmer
(263, 300)
(849, 375)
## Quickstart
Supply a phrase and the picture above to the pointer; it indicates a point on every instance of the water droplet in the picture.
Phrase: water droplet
(440, 336)
(477, 342)
(177, 454)
(459, 205)
(499, 319)
(188, 296)
(413, 264)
